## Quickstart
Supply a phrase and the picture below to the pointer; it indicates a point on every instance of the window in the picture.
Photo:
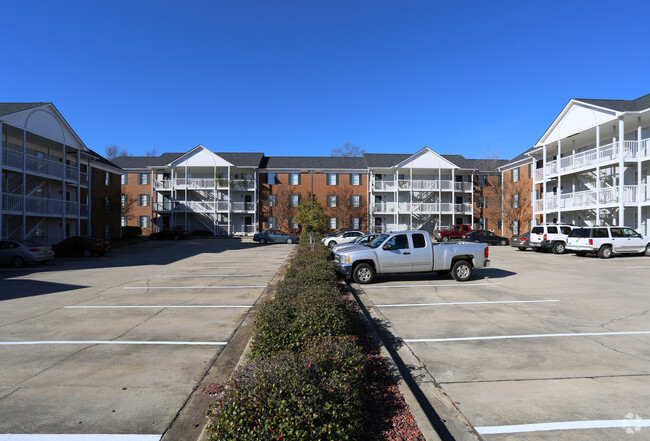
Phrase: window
(123, 221)
(355, 222)
(293, 225)
(294, 200)
(515, 227)
(270, 179)
(355, 179)
(270, 201)
(481, 202)
(123, 179)
(143, 200)
(270, 222)
(483, 223)
(333, 223)
(143, 221)
(123, 200)
(294, 178)
(419, 241)
(617, 232)
(143, 178)
(108, 178)
(530, 171)
(399, 242)
(500, 223)
(355, 200)
(482, 181)
(332, 200)
(332, 179)
(515, 174)
(107, 204)
(515, 201)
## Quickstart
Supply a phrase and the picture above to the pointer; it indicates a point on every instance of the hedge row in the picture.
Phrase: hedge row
(305, 376)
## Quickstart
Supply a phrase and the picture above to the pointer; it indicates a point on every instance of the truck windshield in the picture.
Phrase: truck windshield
(377, 242)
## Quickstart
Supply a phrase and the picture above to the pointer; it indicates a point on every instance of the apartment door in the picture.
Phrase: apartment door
(248, 203)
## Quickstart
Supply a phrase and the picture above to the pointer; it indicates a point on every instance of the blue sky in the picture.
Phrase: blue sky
(303, 77)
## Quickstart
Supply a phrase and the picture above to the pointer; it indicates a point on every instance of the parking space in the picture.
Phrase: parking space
(114, 346)
(537, 347)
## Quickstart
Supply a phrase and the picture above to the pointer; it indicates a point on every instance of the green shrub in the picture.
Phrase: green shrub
(315, 395)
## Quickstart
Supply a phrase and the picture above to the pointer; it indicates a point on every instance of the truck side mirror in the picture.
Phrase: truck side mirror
(388, 246)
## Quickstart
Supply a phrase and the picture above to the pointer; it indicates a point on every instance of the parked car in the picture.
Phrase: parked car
(485, 236)
(410, 252)
(344, 237)
(339, 231)
(550, 237)
(175, 233)
(521, 242)
(359, 241)
(18, 254)
(274, 236)
(81, 246)
(455, 232)
(607, 241)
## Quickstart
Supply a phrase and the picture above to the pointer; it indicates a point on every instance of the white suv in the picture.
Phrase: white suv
(607, 241)
(550, 237)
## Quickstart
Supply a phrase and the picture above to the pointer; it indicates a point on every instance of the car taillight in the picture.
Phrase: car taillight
(486, 253)
(35, 250)
(591, 241)
(545, 236)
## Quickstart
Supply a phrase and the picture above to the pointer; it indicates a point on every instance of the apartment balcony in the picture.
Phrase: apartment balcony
(604, 154)
(33, 206)
(192, 206)
(204, 184)
(581, 200)
(422, 185)
(421, 208)
(243, 207)
(42, 167)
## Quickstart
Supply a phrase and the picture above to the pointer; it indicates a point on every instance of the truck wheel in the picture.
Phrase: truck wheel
(559, 248)
(444, 238)
(503, 242)
(647, 250)
(461, 271)
(363, 273)
(331, 244)
(605, 252)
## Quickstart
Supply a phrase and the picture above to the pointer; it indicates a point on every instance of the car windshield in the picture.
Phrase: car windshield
(378, 241)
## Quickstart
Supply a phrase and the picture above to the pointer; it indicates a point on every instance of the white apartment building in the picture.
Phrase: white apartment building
(593, 164)
(424, 190)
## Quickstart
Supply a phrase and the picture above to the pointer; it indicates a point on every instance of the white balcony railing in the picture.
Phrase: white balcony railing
(423, 185)
(204, 183)
(592, 199)
(42, 206)
(42, 166)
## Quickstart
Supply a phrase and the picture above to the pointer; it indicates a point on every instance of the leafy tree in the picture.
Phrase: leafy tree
(310, 216)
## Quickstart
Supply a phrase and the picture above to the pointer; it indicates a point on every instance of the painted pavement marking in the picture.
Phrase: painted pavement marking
(466, 303)
(505, 337)
(629, 424)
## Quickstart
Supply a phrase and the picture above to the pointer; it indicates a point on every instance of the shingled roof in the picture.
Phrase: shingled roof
(313, 162)
(637, 105)
(9, 108)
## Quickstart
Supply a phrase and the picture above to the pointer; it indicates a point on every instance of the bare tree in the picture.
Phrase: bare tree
(152, 152)
(113, 151)
(347, 150)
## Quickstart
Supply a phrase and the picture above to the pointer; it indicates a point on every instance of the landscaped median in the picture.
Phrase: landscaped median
(311, 374)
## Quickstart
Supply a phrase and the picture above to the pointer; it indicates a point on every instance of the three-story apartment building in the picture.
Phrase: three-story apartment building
(49, 179)
(592, 165)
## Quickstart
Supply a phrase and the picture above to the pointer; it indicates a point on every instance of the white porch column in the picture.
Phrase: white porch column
(229, 200)
(439, 197)
(559, 179)
(597, 175)
(453, 196)
(621, 171)
(173, 202)
(544, 186)
(79, 193)
(639, 178)
(24, 216)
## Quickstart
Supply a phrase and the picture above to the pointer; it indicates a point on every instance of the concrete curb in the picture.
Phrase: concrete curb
(190, 421)
(435, 413)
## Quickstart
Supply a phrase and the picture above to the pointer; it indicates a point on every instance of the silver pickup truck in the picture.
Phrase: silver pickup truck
(410, 252)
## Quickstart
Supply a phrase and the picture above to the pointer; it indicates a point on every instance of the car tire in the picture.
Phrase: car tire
(647, 250)
(503, 242)
(17, 262)
(363, 273)
(262, 241)
(521, 248)
(331, 244)
(289, 240)
(605, 252)
(461, 271)
(444, 238)
(87, 253)
(559, 248)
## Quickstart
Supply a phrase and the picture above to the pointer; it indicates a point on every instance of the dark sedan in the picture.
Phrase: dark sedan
(275, 236)
(81, 246)
(170, 233)
(521, 242)
(485, 236)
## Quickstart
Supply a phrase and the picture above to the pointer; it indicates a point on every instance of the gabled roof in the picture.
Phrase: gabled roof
(143, 162)
(9, 108)
(313, 162)
(636, 105)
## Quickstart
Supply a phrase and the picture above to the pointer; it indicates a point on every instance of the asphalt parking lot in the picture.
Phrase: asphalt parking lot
(115, 345)
(536, 347)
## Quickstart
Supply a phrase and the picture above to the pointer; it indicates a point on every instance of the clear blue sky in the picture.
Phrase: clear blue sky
(303, 77)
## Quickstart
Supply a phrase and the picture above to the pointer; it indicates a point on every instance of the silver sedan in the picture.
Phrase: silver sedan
(18, 254)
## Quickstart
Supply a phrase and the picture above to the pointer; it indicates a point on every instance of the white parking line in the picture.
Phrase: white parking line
(637, 267)
(196, 287)
(466, 303)
(215, 275)
(155, 307)
(630, 424)
(504, 337)
(229, 267)
(430, 286)
(76, 437)
(113, 342)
